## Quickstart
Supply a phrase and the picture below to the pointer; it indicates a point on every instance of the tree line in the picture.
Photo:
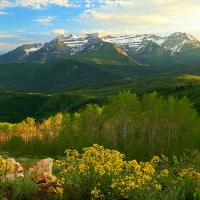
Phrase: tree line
(139, 127)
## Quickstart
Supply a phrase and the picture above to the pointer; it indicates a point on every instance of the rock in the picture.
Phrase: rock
(17, 172)
(18, 167)
(44, 165)
(40, 172)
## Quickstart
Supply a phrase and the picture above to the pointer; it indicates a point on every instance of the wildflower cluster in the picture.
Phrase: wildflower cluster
(102, 171)
(137, 179)
(4, 167)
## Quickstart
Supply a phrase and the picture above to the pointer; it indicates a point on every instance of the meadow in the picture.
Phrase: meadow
(99, 173)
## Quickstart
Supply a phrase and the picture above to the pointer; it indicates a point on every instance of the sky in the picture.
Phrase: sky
(29, 21)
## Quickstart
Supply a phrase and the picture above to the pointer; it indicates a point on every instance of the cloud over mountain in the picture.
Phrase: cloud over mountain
(115, 16)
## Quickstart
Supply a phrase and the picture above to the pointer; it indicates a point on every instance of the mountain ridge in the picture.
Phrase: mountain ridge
(143, 49)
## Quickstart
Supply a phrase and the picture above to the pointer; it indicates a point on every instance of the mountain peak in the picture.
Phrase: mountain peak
(92, 36)
(183, 36)
(60, 37)
(178, 41)
(106, 37)
(72, 36)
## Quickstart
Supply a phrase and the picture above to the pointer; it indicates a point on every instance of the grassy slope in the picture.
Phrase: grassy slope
(58, 75)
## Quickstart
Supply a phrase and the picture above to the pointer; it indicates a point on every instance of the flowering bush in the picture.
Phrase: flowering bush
(100, 173)
(104, 174)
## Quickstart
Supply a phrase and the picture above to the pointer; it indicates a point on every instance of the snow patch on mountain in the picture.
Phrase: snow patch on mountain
(77, 43)
(32, 47)
(129, 43)
(31, 50)
(178, 47)
(134, 42)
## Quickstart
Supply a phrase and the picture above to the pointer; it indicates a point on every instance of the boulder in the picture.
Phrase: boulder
(44, 165)
(18, 168)
(17, 172)
(40, 172)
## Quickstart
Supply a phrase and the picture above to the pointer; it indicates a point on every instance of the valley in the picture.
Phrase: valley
(99, 100)
(131, 95)
(70, 75)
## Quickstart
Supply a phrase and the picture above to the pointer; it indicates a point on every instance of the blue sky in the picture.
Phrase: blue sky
(29, 21)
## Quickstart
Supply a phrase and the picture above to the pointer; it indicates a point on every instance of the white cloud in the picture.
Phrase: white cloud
(45, 20)
(143, 14)
(59, 31)
(5, 35)
(100, 31)
(3, 13)
(103, 32)
(34, 4)
(5, 4)
(88, 3)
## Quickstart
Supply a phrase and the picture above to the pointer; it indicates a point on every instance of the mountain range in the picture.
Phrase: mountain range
(69, 72)
(137, 50)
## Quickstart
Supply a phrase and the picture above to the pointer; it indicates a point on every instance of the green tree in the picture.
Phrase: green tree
(122, 116)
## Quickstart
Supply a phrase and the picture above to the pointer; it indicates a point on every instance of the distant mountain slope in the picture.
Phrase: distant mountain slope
(158, 51)
(20, 53)
(148, 49)
(179, 42)
(105, 53)
(55, 76)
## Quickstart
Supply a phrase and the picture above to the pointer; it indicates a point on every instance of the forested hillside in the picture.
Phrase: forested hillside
(17, 106)
(138, 127)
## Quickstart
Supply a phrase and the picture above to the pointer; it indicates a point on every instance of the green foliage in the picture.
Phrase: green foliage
(56, 76)
(16, 144)
(16, 107)
(23, 188)
(139, 127)
(79, 84)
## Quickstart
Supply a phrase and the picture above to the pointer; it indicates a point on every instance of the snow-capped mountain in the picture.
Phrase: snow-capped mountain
(29, 48)
(64, 46)
(155, 50)
(20, 53)
(134, 43)
(144, 48)
(180, 41)
(175, 42)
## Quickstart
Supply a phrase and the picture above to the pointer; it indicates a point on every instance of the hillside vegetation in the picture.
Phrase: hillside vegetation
(56, 76)
(138, 127)
(17, 106)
